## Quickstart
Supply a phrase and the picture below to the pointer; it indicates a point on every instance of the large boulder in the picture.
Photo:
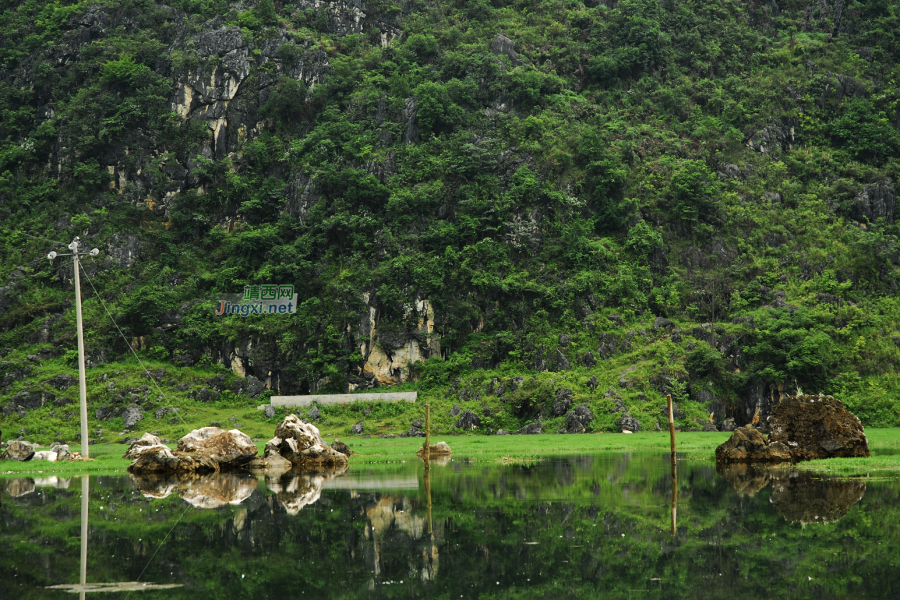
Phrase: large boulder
(302, 445)
(562, 400)
(226, 448)
(19, 451)
(817, 426)
(63, 452)
(160, 459)
(747, 444)
(147, 440)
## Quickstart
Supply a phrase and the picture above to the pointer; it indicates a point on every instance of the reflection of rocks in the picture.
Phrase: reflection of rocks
(745, 479)
(294, 491)
(210, 491)
(747, 444)
(19, 486)
(218, 490)
(807, 498)
(817, 427)
(798, 496)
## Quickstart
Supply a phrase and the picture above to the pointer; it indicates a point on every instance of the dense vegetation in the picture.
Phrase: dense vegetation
(691, 197)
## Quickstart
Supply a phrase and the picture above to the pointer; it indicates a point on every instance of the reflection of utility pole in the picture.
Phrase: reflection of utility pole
(674, 472)
(85, 489)
(82, 383)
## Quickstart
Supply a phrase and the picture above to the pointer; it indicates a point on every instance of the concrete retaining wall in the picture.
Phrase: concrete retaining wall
(323, 399)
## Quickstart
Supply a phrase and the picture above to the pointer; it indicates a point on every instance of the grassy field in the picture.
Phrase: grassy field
(107, 458)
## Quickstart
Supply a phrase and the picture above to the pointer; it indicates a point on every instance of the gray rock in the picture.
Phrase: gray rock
(578, 420)
(132, 416)
(468, 420)
(254, 386)
(502, 45)
(530, 429)
(876, 201)
(562, 400)
(269, 411)
(588, 359)
(661, 322)
(616, 319)
(19, 450)
(709, 427)
(728, 425)
(62, 382)
(593, 383)
(503, 432)
(341, 447)
(628, 423)
(358, 429)
(314, 414)
(62, 452)
(564, 340)
(562, 363)
(455, 410)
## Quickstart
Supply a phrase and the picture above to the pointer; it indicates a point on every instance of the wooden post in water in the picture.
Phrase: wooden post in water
(674, 471)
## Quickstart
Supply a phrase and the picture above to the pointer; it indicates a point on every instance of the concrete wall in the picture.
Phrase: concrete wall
(324, 399)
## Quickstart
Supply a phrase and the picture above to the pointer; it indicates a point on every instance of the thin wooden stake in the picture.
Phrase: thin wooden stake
(671, 426)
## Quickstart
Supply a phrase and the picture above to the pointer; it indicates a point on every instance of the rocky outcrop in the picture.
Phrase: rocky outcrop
(777, 135)
(302, 445)
(747, 444)
(817, 426)
(578, 420)
(562, 400)
(876, 201)
(468, 421)
(137, 447)
(628, 423)
(228, 449)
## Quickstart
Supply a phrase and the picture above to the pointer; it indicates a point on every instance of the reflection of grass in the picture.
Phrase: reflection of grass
(884, 465)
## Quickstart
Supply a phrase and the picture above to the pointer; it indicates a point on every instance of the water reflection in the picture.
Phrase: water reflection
(585, 526)
(798, 496)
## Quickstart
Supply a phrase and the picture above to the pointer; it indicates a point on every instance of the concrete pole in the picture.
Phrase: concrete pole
(82, 382)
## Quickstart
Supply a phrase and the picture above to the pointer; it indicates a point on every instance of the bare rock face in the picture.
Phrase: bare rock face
(226, 448)
(160, 459)
(19, 451)
(303, 446)
(628, 423)
(147, 440)
(747, 444)
(817, 426)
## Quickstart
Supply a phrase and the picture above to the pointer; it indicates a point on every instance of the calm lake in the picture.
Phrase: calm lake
(593, 526)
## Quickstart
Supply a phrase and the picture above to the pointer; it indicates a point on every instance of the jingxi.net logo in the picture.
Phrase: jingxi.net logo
(267, 299)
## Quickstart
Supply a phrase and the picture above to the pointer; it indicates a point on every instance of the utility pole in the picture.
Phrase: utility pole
(82, 381)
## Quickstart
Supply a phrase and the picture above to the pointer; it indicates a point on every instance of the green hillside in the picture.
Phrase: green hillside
(609, 200)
